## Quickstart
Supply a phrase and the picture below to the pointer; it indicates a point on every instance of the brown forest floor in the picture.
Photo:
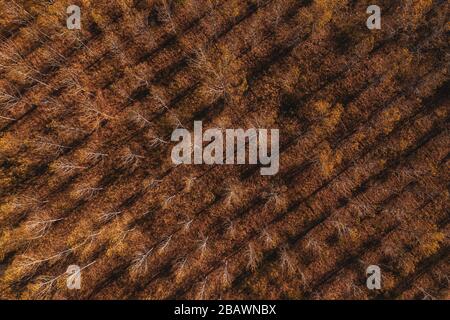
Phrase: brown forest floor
(86, 176)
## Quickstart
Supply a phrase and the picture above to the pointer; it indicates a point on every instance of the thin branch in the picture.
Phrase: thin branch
(139, 263)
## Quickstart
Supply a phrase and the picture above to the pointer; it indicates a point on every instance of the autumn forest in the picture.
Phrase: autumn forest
(86, 176)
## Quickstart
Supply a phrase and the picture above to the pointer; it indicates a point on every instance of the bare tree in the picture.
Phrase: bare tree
(203, 245)
(51, 103)
(165, 14)
(277, 199)
(27, 201)
(226, 278)
(157, 96)
(189, 181)
(88, 192)
(217, 86)
(180, 267)
(81, 43)
(232, 196)
(231, 229)
(29, 73)
(142, 80)
(139, 119)
(124, 233)
(165, 244)
(46, 286)
(277, 13)
(7, 118)
(168, 201)
(442, 277)
(67, 167)
(139, 263)
(343, 185)
(153, 183)
(202, 290)
(38, 226)
(213, 74)
(8, 100)
(314, 246)
(404, 174)
(107, 216)
(268, 239)
(92, 113)
(341, 228)
(287, 262)
(361, 209)
(156, 141)
(355, 290)
(199, 59)
(69, 128)
(10, 55)
(16, 12)
(131, 159)
(186, 223)
(72, 81)
(95, 156)
(47, 144)
(253, 257)
(426, 295)
(55, 58)
(31, 263)
(175, 120)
